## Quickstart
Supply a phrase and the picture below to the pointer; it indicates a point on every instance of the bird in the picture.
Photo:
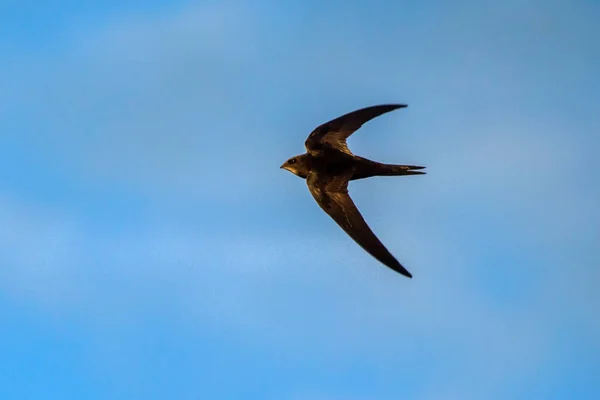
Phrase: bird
(328, 166)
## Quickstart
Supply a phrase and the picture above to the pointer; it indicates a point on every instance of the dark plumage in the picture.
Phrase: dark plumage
(328, 166)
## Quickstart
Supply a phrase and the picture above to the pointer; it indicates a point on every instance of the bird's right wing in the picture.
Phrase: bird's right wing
(332, 196)
(333, 134)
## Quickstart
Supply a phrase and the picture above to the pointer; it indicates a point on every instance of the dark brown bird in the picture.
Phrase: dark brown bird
(328, 166)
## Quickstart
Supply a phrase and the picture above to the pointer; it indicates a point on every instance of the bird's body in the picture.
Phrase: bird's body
(333, 162)
(328, 166)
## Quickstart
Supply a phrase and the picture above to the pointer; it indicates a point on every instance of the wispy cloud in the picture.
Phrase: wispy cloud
(184, 118)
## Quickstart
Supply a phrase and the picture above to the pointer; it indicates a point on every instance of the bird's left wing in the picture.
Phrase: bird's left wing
(333, 134)
(332, 196)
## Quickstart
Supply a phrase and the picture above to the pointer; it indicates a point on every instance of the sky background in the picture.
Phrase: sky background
(151, 248)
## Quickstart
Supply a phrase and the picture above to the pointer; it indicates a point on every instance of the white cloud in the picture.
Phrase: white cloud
(145, 101)
(35, 252)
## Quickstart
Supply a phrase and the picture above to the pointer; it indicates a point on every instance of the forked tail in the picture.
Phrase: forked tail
(369, 168)
(393, 170)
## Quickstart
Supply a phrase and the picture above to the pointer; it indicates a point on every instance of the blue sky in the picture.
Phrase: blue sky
(150, 247)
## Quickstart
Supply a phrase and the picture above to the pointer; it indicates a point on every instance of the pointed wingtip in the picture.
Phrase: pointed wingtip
(393, 106)
(402, 271)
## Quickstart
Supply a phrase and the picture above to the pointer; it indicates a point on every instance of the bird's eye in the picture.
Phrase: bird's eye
(292, 161)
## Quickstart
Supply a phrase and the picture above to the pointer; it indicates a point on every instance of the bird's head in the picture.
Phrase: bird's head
(297, 165)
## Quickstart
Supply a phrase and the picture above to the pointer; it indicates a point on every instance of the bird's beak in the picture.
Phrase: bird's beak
(286, 167)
